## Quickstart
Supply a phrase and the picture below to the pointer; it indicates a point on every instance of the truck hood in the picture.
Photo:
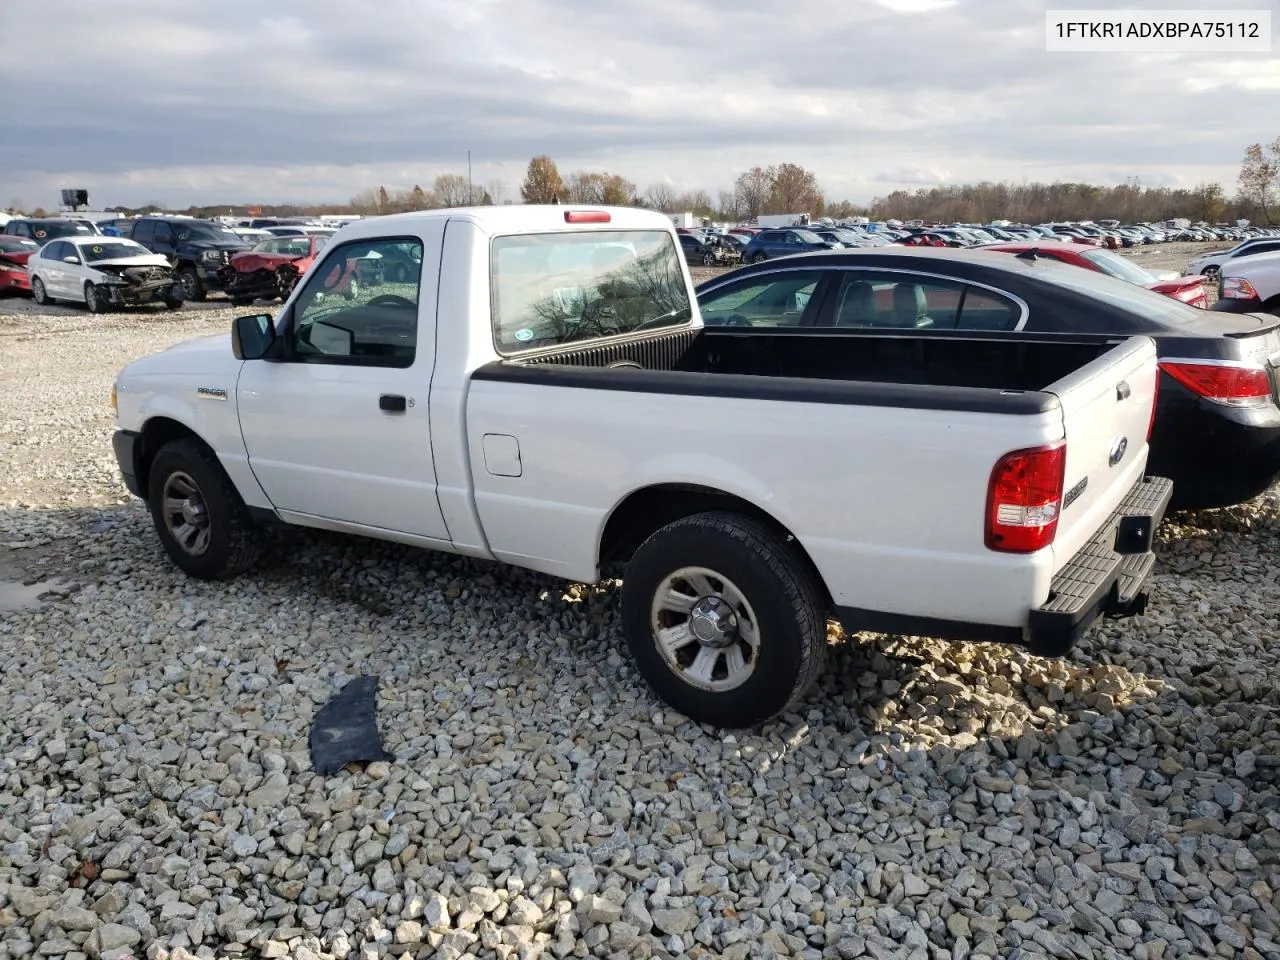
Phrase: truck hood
(206, 356)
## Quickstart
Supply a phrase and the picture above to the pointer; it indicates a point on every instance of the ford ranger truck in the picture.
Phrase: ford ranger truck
(537, 388)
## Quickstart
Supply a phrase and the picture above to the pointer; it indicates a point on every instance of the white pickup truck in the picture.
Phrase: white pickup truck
(533, 384)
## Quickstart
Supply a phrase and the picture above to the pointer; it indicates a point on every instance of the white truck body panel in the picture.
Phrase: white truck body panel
(888, 502)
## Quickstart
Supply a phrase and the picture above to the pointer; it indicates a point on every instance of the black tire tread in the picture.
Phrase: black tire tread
(246, 544)
(801, 591)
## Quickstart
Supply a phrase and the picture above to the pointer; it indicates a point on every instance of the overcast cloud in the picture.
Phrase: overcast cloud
(314, 100)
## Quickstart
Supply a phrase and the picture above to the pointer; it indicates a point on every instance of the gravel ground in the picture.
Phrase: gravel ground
(932, 801)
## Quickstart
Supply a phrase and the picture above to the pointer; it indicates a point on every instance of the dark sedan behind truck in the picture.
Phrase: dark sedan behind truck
(1217, 426)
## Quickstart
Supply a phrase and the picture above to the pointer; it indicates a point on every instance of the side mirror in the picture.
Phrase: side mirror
(251, 337)
(70, 259)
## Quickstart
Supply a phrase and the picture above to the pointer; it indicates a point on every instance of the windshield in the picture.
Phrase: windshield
(46, 231)
(18, 245)
(555, 288)
(808, 236)
(207, 232)
(112, 250)
(1117, 266)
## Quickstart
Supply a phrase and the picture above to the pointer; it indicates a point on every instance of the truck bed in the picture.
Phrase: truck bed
(988, 373)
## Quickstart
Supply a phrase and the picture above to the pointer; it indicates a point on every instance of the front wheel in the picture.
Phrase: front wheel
(1210, 273)
(758, 258)
(708, 259)
(192, 288)
(201, 520)
(724, 619)
(94, 300)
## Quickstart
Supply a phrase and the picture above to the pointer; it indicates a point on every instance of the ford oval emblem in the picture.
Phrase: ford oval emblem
(1117, 450)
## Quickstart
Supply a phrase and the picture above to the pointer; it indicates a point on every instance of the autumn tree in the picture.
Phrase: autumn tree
(418, 199)
(542, 183)
(1260, 176)
(752, 190)
(452, 190)
(1210, 202)
(793, 189)
(384, 201)
(609, 189)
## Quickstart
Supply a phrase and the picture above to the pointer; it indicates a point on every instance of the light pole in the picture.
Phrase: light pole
(468, 178)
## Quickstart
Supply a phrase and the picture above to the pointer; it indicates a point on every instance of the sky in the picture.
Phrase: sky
(178, 103)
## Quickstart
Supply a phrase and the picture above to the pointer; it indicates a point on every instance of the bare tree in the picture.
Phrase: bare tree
(1259, 175)
(497, 191)
(752, 189)
(661, 197)
(583, 187)
(728, 206)
(451, 190)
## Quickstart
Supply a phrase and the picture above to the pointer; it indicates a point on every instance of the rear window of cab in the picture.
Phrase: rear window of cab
(551, 289)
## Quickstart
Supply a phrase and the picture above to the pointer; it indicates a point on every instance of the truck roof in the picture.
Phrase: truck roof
(514, 218)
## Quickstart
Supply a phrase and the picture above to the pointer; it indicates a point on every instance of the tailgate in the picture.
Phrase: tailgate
(1106, 413)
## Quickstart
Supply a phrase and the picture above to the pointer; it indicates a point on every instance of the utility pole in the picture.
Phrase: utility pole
(468, 178)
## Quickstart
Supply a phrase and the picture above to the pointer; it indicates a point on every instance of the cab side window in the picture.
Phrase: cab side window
(360, 306)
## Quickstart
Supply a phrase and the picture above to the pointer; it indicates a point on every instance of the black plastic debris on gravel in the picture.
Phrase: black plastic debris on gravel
(345, 729)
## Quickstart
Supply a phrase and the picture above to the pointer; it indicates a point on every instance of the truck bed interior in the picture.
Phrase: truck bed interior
(1013, 361)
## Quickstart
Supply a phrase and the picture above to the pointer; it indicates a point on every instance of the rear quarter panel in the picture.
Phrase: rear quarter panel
(889, 503)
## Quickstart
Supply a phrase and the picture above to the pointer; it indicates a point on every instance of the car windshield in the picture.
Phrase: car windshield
(44, 231)
(18, 245)
(1117, 266)
(206, 232)
(808, 236)
(555, 288)
(112, 250)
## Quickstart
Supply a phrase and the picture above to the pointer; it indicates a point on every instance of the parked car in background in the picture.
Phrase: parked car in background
(1189, 290)
(44, 230)
(1250, 285)
(250, 234)
(197, 249)
(768, 244)
(702, 251)
(101, 273)
(300, 230)
(1217, 429)
(117, 227)
(14, 253)
(1210, 264)
(272, 268)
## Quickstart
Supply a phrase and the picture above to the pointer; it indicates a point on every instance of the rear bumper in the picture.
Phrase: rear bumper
(1108, 576)
(125, 445)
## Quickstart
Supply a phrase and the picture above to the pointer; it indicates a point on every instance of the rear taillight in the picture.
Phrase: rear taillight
(1237, 288)
(1232, 384)
(1025, 497)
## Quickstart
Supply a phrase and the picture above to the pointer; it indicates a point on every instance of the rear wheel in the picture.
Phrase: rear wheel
(353, 288)
(202, 522)
(94, 300)
(724, 619)
(1210, 273)
(38, 292)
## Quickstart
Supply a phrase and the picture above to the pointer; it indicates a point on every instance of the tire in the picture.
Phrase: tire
(708, 260)
(353, 288)
(230, 543)
(93, 300)
(741, 569)
(39, 294)
(759, 258)
(399, 273)
(1211, 272)
(173, 304)
(192, 288)
(241, 301)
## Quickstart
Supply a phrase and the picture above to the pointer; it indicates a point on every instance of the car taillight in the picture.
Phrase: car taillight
(1232, 384)
(1237, 288)
(1025, 498)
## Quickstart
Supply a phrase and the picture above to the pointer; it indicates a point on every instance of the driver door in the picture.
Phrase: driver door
(337, 428)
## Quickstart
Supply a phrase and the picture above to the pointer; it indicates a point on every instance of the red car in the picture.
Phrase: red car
(14, 252)
(1189, 290)
(272, 268)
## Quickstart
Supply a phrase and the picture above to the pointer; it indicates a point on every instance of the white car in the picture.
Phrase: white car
(1211, 263)
(101, 273)
(1250, 285)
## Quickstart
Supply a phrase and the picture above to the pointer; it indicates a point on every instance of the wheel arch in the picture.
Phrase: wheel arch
(155, 433)
(646, 510)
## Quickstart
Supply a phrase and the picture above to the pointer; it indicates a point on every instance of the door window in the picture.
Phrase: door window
(904, 301)
(771, 301)
(372, 322)
(53, 251)
(144, 231)
(164, 233)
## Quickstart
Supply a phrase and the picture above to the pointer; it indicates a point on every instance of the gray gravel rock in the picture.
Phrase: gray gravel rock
(928, 800)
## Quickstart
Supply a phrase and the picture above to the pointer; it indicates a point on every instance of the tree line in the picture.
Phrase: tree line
(790, 188)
